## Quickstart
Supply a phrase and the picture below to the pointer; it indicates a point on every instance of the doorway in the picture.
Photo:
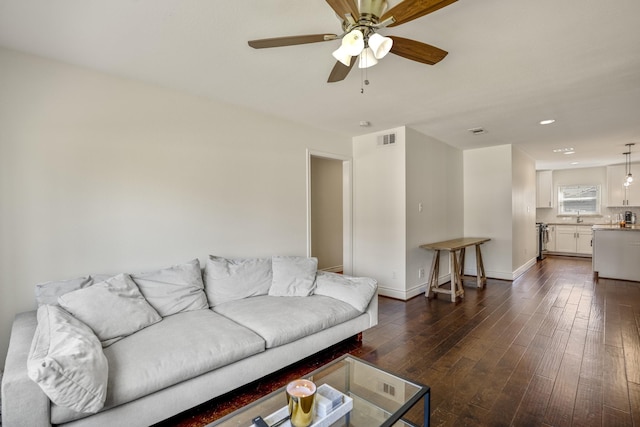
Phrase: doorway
(329, 211)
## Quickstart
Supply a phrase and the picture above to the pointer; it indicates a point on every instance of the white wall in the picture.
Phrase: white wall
(104, 175)
(434, 178)
(523, 211)
(487, 206)
(499, 203)
(379, 229)
(390, 183)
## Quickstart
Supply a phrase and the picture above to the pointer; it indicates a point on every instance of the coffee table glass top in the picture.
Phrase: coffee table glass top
(380, 398)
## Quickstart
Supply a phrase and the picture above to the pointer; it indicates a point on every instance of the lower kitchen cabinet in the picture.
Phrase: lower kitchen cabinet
(616, 253)
(573, 239)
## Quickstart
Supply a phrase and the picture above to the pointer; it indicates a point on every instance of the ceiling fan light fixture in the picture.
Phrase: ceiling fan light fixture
(353, 43)
(367, 59)
(341, 55)
(380, 45)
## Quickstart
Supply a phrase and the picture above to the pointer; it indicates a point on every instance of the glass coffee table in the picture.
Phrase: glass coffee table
(380, 398)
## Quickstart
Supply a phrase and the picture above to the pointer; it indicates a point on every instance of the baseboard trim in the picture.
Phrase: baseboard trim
(336, 269)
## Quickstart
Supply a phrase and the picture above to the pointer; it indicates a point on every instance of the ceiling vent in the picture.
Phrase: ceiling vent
(387, 140)
(477, 131)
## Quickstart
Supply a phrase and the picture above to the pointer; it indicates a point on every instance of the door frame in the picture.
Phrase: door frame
(347, 206)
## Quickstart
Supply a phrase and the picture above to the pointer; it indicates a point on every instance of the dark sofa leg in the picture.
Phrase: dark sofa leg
(358, 337)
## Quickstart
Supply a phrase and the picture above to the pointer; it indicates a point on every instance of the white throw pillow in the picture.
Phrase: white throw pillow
(113, 309)
(174, 289)
(293, 276)
(67, 362)
(356, 291)
(233, 279)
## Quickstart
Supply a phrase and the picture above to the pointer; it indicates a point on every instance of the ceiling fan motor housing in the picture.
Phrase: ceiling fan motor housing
(372, 7)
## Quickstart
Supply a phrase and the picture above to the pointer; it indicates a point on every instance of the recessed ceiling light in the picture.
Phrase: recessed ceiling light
(365, 123)
(569, 152)
(564, 150)
(574, 163)
(547, 122)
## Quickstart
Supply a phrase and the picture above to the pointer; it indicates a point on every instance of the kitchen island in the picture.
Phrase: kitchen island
(616, 252)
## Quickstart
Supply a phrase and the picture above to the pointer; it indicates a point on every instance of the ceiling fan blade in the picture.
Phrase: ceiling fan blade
(342, 7)
(340, 71)
(417, 51)
(291, 40)
(409, 10)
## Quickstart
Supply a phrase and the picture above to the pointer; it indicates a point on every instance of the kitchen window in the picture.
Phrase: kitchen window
(579, 200)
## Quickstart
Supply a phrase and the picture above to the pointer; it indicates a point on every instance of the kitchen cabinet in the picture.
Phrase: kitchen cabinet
(617, 193)
(544, 189)
(573, 239)
(616, 252)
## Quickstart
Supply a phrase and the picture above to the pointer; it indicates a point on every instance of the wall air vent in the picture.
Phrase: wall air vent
(477, 131)
(387, 140)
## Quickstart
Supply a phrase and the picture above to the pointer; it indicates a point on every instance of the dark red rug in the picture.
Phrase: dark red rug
(227, 403)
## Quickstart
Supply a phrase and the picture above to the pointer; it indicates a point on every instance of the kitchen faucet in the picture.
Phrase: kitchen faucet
(578, 219)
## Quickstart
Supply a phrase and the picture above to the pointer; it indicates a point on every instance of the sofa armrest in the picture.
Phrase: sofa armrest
(372, 309)
(23, 402)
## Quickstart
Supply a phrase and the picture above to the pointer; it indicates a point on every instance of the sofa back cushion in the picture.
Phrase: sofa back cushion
(228, 279)
(174, 289)
(67, 362)
(113, 309)
(48, 292)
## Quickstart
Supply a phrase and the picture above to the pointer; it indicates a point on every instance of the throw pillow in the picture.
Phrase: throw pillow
(293, 276)
(356, 291)
(173, 289)
(233, 279)
(114, 308)
(48, 292)
(67, 362)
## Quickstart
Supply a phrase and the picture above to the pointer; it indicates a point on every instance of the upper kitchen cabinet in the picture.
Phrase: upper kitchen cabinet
(617, 193)
(544, 189)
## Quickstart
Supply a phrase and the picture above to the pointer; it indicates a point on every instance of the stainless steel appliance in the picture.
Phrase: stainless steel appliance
(542, 237)
(630, 217)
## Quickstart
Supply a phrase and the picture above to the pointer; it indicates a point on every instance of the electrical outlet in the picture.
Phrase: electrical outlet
(420, 207)
(420, 273)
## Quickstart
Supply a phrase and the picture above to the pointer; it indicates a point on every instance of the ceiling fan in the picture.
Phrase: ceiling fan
(360, 38)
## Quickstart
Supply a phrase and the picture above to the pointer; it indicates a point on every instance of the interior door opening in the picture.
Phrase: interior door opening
(329, 211)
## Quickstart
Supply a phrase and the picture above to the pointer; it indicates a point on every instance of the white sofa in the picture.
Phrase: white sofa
(254, 322)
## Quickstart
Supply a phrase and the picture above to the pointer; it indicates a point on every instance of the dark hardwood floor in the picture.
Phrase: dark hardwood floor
(552, 348)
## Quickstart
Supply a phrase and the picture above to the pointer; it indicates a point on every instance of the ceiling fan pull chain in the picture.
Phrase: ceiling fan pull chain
(364, 81)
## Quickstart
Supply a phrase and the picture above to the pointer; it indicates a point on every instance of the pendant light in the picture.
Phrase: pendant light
(628, 179)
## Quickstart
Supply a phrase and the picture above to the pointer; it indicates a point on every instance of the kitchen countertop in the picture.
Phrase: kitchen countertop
(631, 227)
(581, 224)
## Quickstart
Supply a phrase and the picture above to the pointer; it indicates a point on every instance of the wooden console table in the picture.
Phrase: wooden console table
(456, 248)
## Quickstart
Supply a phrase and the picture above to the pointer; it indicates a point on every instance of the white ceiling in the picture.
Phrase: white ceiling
(511, 63)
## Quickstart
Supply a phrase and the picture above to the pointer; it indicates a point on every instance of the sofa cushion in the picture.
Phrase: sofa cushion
(181, 347)
(356, 291)
(113, 309)
(232, 279)
(48, 292)
(67, 362)
(280, 320)
(173, 289)
(293, 276)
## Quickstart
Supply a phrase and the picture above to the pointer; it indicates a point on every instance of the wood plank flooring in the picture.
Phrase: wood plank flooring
(552, 348)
